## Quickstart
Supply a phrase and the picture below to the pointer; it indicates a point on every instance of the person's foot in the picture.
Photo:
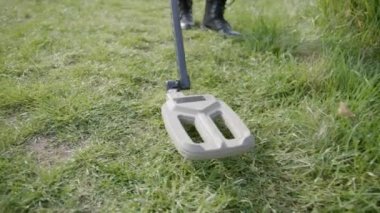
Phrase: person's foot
(214, 18)
(221, 26)
(186, 21)
(185, 13)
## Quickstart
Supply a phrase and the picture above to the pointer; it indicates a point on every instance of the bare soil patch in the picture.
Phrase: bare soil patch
(48, 152)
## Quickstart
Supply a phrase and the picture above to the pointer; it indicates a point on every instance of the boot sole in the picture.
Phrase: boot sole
(187, 26)
(221, 32)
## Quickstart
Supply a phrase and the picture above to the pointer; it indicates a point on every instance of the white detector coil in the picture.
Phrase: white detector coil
(202, 127)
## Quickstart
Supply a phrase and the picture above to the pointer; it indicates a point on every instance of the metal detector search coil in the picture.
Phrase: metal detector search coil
(199, 111)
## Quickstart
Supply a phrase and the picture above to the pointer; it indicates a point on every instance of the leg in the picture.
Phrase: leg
(185, 13)
(214, 18)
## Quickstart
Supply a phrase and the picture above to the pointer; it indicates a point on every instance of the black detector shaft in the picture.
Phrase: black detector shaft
(184, 81)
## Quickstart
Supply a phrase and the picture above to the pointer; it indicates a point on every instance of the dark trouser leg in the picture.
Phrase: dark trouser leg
(186, 16)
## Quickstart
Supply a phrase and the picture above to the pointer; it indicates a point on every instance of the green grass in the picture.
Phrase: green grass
(82, 83)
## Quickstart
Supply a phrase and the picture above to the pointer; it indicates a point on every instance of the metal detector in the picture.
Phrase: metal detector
(200, 126)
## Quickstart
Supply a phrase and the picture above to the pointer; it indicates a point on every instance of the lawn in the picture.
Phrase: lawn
(82, 83)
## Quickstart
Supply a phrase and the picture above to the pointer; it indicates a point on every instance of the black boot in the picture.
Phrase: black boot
(185, 13)
(214, 18)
